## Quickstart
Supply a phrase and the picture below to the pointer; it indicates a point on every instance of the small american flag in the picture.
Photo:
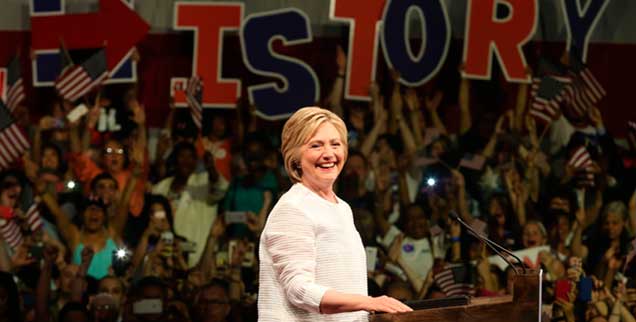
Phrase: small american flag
(582, 162)
(76, 81)
(580, 158)
(194, 97)
(33, 217)
(10, 232)
(473, 161)
(13, 143)
(586, 91)
(455, 280)
(550, 92)
(15, 84)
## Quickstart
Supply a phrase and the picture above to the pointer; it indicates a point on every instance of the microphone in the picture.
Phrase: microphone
(491, 244)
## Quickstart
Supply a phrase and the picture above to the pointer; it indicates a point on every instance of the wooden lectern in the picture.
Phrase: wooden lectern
(523, 306)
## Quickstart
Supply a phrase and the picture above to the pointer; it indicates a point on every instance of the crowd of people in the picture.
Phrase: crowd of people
(120, 223)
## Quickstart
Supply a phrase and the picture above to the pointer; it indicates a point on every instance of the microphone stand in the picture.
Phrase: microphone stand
(491, 244)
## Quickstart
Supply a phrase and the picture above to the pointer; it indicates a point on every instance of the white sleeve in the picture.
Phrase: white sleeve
(290, 240)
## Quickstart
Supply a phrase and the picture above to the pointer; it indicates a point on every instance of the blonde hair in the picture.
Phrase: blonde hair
(299, 128)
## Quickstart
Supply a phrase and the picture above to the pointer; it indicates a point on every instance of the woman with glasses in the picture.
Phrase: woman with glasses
(115, 160)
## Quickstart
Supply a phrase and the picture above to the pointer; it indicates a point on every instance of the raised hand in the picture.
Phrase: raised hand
(139, 115)
(137, 153)
(253, 223)
(93, 116)
(218, 228)
(30, 168)
(341, 60)
(433, 102)
(21, 257)
(374, 91)
(46, 123)
(458, 179)
(411, 99)
(395, 75)
(50, 254)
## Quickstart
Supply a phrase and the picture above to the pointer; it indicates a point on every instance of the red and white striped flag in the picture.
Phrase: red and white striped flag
(546, 99)
(580, 158)
(455, 280)
(10, 232)
(582, 162)
(76, 81)
(15, 84)
(13, 143)
(586, 91)
(33, 217)
(194, 97)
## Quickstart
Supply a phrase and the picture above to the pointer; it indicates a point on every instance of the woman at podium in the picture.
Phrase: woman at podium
(312, 262)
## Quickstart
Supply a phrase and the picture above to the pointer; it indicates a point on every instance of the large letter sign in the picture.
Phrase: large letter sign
(365, 20)
(209, 20)
(300, 83)
(415, 68)
(487, 34)
(580, 23)
(115, 26)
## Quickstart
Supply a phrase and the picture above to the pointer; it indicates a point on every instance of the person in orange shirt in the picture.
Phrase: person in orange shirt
(116, 164)
(115, 159)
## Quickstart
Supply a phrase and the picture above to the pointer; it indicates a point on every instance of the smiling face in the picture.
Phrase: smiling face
(322, 157)
(532, 235)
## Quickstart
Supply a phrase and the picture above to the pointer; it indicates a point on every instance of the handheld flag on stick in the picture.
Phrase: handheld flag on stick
(15, 92)
(582, 162)
(76, 81)
(194, 97)
(13, 143)
(545, 106)
(455, 280)
(585, 91)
